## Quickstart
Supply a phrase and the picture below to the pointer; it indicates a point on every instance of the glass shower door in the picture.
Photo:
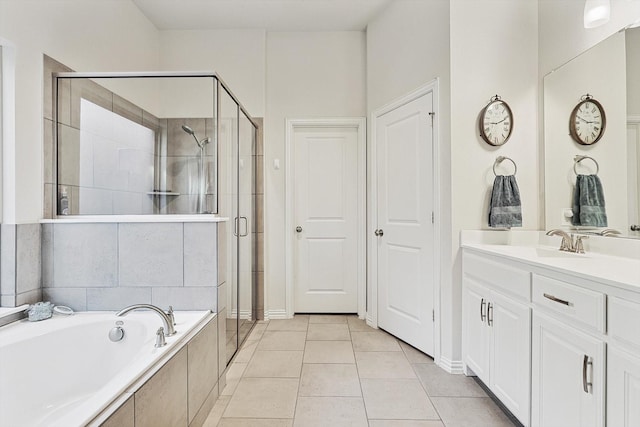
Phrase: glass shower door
(237, 149)
(246, 209)
(228, 145)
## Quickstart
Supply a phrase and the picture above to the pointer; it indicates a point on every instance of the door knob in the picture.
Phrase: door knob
(379, 232)
(298, 229)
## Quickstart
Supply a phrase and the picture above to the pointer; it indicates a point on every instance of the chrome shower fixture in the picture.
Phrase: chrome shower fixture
(201, 143)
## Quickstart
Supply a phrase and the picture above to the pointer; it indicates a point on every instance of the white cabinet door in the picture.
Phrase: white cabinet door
(510, 324)
(623, 389)
(567, 376)
(475, 330)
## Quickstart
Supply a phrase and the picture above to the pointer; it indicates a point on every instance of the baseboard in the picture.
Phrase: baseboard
(451, 366)
(370, 322)
(275, 314)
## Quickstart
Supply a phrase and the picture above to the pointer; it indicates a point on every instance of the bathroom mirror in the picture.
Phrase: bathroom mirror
(136, 145)
(610, 71)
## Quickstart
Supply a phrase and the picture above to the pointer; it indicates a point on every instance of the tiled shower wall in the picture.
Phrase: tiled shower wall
(107, 266)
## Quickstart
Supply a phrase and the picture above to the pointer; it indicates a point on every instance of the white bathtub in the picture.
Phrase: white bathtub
(65, 371)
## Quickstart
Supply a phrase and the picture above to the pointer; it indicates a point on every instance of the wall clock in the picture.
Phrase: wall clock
(587, 121)
(496, 122)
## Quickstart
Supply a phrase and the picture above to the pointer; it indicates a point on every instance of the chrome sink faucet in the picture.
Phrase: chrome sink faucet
(568, 244)
(166, 319)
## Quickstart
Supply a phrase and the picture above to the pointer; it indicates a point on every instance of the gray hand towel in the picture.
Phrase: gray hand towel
(588, 202)
(505, 209)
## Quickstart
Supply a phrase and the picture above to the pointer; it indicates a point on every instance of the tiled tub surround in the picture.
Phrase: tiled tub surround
(110, 264)
(20, 266)
(85, 377)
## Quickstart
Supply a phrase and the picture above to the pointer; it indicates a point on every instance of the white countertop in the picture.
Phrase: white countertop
(612, 270)
(76, 219)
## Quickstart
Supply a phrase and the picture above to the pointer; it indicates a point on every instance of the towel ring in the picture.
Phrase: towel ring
(577, 159)
(499, 160)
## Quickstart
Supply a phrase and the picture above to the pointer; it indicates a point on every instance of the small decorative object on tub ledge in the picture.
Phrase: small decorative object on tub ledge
(40, 311)
(63, 309)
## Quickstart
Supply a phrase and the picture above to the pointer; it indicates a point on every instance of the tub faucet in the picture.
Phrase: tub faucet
(168, 323)
(567, 241)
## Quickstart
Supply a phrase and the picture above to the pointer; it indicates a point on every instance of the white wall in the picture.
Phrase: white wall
(600, 71)
(407, 47)
(99, 35)
(309, 74)
(494, 50)
(238, 56)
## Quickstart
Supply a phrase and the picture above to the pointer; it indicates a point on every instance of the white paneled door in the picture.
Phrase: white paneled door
(405, 231)
(325, 247)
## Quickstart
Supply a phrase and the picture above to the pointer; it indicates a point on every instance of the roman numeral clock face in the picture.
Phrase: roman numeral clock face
(496, 122)
(587, 122)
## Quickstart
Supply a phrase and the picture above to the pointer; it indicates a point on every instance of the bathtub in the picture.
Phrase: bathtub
(65, 371)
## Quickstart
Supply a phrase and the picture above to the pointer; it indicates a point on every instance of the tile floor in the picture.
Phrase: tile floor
(332, 370)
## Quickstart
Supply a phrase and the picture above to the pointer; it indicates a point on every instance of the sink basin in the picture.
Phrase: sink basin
(556, 253)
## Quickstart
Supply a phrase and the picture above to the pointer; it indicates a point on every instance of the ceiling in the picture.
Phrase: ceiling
(272, 15)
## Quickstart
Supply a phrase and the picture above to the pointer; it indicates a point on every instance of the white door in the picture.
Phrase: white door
(325, 249)
(510, 323)
(404, 161)
(623, 388)
(564, 362)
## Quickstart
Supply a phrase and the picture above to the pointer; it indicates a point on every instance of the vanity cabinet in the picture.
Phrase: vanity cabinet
(623, 388)
(567, 375)
(496, 332)
(561, 339)
(623, 363)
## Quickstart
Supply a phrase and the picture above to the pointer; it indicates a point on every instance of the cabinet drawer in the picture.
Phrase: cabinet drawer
(509, 279)
(571, 301)
(624, 319)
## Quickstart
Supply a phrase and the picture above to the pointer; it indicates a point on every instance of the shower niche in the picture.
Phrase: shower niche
(163, 144)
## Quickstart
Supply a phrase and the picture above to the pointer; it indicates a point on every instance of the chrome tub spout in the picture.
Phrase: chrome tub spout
(168, 323)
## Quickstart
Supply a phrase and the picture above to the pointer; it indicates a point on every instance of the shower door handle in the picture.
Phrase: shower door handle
(236, 227)
(246, 226)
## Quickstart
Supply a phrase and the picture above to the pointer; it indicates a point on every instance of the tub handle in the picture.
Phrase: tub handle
(160, 341)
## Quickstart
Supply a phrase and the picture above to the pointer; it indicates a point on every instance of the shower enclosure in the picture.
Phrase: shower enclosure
(163, 143)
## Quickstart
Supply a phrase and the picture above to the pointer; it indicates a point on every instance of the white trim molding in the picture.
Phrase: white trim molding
(451, 366)
(275, 314)
(358, 123)
(372, 278)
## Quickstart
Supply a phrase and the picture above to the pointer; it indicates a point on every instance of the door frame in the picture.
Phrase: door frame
(358, 123)
(372, 277)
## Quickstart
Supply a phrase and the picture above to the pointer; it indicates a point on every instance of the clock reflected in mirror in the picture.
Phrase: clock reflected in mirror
(496, 122)
(588, 121)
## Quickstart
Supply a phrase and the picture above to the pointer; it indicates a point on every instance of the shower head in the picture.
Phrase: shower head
(188, 130)
(191, 132)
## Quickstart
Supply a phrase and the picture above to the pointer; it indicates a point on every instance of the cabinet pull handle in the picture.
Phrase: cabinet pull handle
(489, 314)
(586, 363)
(482, 315)
(558, 300)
